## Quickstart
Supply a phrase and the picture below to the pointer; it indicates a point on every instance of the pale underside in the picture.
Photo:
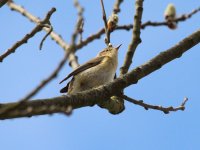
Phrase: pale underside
(93, 77)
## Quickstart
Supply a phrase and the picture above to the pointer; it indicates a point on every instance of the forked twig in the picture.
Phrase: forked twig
(146, 106)
(47, 34)
(56, 37)
(27, 36)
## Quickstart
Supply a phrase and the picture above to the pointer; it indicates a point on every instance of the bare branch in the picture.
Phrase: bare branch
(28, 36)
(57, 38)
(107, 38)
(104, 15)
(49, 78)
(94, 96)
(48, 33)
(80, 22)
(178, 19)
(99, 33)
(38, 88)
(187, 16)
(116, 8)
(3, 2)
(55, 72)
(146, 106)
(135, 41)
(78, 29)
(91, 38)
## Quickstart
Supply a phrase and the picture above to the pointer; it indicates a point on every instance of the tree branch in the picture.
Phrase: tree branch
(116, 8)
(28, 36)
(135, 41)
(99, 33)
(57, 38)
(61, 64)
(107, 32)
(47, 34)
(94, 96)
(3, 2)
(146, 106)
(80, 20)
(36, 89)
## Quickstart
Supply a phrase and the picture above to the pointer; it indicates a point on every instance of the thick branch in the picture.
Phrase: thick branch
(50, 77)
(3, 2)
(28, 36)
(94, 96)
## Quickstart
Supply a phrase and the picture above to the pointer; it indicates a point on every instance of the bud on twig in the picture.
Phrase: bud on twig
(170, 16)
(112, 22)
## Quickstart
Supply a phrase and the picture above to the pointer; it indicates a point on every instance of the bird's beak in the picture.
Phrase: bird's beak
(117, 48)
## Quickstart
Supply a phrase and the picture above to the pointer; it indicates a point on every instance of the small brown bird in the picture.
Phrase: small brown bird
(93, 73)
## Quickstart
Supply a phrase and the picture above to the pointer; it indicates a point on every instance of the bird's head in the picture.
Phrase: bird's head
(110, 51)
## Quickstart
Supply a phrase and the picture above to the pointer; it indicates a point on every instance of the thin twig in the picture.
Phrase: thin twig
(49, 78)
(28, 36)
(104, 15)
(55, 72)
(78, 28)
(90, 38)
(107, 38)
(187, 16)
(116, 8)
(98, 34)
(135, 41)
(146, 106)
(40, 26)
(56, 37)
(81, 32)
(47, 34)
(178, 19)
(39, 87)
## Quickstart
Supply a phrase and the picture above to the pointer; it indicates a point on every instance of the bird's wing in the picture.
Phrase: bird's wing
(87, 65)
(65, 89)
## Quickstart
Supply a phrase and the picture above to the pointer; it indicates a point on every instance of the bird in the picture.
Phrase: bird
(95, 72)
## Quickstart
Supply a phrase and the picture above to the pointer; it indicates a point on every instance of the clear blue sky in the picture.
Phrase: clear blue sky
(94, 128)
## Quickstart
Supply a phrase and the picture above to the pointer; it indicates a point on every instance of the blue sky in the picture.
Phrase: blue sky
(94, 128)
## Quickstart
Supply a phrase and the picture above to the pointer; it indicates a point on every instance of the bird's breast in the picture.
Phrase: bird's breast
(94, 76)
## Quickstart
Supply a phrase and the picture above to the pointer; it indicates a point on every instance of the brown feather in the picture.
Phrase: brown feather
(87, 65)
(65, 89)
